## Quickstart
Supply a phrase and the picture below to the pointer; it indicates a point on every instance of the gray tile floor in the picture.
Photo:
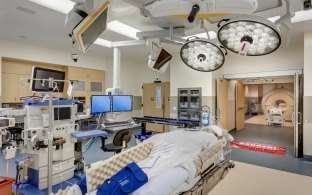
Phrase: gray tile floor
(274, 135)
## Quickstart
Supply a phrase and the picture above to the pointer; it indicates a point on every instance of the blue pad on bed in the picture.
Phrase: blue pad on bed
(125, 181)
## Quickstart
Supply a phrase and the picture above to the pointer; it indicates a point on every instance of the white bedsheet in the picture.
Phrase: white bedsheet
(173, 153)
(164, 183)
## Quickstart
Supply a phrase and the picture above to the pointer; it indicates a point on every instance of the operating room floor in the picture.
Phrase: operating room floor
(273, 135)
(247, 179)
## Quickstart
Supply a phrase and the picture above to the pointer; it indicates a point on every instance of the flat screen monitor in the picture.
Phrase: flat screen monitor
(122, 103)
(162, 59)
(62, 113)
(43, 73)
(100, 104)
(91, 27)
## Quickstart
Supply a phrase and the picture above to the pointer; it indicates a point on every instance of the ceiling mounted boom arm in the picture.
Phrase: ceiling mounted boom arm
(160, 33)
(283, 23)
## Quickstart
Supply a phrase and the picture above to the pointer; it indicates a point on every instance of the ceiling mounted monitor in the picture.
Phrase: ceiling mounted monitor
(159, 59)
(40, 81)
(91, 27)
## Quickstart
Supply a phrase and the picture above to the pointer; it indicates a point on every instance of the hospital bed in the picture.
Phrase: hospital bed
(276, 116)
(193, 162)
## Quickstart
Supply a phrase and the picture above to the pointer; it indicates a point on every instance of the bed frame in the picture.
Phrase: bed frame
(210, 178)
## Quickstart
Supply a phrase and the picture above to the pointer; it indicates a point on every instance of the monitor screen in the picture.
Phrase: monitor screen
(43, 73)
(100, 104)
(91, 27)
(162, 59)
(122, 103)
(62, 113)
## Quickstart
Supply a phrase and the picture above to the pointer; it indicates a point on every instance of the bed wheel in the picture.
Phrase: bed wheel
(231, 165)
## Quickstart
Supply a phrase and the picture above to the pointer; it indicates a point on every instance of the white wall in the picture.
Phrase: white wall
(308, 64)
(252, 91)
(41, 54)
(307, 125)
(285, 59)
(133, 75)
(181, 76)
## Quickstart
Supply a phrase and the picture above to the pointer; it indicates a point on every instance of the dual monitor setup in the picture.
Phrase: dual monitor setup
(111, 103)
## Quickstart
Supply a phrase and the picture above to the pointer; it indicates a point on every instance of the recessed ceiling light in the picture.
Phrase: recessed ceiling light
(123, 29)
(63, 6)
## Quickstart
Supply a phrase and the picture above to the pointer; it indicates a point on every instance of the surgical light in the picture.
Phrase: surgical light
(202, 55)
(250, 35)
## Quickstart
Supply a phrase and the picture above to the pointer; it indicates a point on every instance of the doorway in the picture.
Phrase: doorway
(267, 110)
(156, 103)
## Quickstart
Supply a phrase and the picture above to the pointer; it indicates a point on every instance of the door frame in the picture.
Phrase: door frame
(298, 99)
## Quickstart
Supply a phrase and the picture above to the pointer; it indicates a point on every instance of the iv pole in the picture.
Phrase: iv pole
(50, 137)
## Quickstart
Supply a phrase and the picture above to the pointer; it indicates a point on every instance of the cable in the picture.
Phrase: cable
(90, 145)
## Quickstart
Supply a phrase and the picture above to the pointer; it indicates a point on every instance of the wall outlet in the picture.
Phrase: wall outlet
(174, 108)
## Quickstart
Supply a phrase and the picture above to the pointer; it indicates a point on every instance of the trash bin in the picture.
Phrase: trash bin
(6, 185)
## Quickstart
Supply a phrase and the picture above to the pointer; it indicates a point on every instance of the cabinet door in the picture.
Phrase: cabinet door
(9, 88)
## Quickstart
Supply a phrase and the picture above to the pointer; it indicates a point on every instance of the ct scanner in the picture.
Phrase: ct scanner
(278, 106)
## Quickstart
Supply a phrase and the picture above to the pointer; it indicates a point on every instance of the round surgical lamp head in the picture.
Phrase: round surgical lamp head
(250, 35)
(202, 55)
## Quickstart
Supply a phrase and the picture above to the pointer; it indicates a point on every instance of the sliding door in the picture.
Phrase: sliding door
(240, 106)
(298, 115)
(222, 102)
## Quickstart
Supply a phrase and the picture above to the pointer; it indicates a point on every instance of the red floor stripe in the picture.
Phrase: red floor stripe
(274, 150)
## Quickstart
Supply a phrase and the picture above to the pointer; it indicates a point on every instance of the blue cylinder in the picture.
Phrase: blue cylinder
(205, 119)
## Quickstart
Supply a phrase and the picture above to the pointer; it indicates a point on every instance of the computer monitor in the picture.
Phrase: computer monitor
(100, 104)
(122, 103)
(91, 27)
(44, 73)
(162, 59)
